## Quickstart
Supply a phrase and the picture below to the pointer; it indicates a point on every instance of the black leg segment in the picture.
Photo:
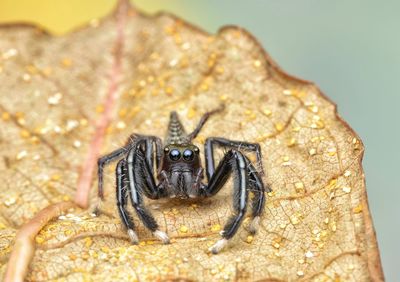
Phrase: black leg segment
(233, 162)
(122, 196)
(237, 145)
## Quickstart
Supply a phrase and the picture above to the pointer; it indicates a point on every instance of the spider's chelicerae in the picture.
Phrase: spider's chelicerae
(180, 175)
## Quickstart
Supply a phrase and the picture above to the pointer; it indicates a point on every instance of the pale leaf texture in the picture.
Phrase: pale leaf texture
(65, 100)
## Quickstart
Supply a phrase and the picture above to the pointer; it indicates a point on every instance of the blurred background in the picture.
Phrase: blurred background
(349, 48)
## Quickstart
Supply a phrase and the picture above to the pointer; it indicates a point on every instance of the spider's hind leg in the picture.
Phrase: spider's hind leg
(256, 186)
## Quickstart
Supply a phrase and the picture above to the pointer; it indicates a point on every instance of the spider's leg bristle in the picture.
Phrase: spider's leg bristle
(161, 236)
(133, 236)
(254, 225)
(218, 246)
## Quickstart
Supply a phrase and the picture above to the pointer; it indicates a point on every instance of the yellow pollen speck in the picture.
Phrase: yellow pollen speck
(121, 125)
(257, 63)
(296, 129)
(142, 83)
(249, 239)
(279, 126)
(314, 109)
(56, 177)
(183, 229)
(39, 240)
(5, 116)
(300, 273)
(282, 225)
(333, 182)
(99, 109)
(287, 92)
(169, 90)
(72, 256)
(271, 194)
(333, 227)
(301, 261)
(204, 86)
(68, 232)
(26, 77)
(312, 151)
(66, 62)
(285, 158)
(88, 242)
(191, 113)
(358, 208)
(223, 97)
(25, 133)
(299, 186)
(123, 112)
(216, 228)
(220, 70)
(267, 112)
(332, 151)
(85, 256)
(291, 142)
(326, 220)
(294, 220)
(276, 245)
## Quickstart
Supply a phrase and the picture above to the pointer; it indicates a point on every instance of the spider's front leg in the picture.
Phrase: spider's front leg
(256, 185)
(140, 180)
(233, 162)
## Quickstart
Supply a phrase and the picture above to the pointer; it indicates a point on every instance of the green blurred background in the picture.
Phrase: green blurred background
(349, 48)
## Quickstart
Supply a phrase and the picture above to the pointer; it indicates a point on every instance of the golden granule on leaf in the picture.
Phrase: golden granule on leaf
(183, 229)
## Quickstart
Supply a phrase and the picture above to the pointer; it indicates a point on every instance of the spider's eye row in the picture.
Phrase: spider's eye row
(196, 150)
(166, 149)
(174, 155)
(188, 155)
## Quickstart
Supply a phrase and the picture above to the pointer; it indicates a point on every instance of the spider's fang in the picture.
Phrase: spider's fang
(217, 247)
(254, 225)
(133, 237)
(161, 236)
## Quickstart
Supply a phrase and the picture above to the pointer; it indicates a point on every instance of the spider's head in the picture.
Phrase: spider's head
(181, 156)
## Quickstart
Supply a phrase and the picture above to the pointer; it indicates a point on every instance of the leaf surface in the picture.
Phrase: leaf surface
(66, 99)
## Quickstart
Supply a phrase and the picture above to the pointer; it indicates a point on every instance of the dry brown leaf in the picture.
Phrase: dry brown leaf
(65, 98)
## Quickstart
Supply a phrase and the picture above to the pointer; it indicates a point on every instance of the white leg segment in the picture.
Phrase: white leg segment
(133, 237)
(254, 225)
(217, 247)
(161, 236)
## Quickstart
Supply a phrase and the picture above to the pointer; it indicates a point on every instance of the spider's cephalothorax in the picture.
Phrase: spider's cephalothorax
(179, 174)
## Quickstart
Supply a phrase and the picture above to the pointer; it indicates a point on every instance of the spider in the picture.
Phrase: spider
(180, 175)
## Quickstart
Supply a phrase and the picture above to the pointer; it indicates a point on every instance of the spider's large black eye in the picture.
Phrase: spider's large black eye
(174, 155)
(188, 155)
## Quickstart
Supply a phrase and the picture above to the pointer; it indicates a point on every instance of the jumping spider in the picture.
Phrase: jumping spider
(180, 175)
